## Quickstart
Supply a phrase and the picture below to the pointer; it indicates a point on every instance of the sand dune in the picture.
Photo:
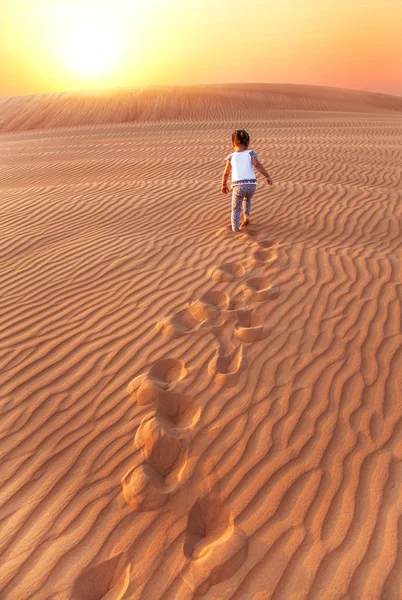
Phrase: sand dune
(190, 103)
(186, 413)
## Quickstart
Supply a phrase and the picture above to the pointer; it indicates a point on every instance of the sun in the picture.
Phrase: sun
(90, 38)
(91, 49)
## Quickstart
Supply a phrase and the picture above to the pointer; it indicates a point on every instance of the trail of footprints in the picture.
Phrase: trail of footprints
(162, 436)
(214, 547)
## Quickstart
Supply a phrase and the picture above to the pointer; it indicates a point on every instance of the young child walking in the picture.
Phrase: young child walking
(241, 164)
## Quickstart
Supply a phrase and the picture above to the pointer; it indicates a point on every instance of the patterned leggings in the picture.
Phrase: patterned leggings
(241, 198)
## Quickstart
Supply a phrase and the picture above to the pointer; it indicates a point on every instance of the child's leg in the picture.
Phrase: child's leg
(247, 207)
(237, 198)
(249, 192)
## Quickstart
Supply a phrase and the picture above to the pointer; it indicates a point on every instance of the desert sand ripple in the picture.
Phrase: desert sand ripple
(258, 451)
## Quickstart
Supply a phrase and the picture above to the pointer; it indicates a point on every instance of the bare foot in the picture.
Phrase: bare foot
(246, 221)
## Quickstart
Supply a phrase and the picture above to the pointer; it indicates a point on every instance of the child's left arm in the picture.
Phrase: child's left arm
(261, 169)
(226, 172)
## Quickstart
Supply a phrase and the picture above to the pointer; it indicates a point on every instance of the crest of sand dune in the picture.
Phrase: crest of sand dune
(186, 413)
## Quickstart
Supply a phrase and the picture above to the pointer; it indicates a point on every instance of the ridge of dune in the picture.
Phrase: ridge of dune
(187, 103)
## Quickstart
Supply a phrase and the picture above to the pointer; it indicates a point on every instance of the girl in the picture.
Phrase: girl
(242, 162)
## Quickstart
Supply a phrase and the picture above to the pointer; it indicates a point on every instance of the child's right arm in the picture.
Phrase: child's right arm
(261, 169)
(225, 176)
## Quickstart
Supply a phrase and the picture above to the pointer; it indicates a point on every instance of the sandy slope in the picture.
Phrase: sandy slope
(191, 103)
(185, 412)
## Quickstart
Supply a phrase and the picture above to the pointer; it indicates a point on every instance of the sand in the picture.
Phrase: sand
(186, 413)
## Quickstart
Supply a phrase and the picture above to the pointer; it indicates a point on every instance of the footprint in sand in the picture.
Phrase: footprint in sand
(220, 304)
(158, 382)
(266, 251)
(162, 436)
(161, 444)
(215, 547)
(215, 301)
(229, 360)
(235, 305)
(259, 289)
(196, 316)
(226, 272)
(185, 321)
(249, 327)
(267, 243)
(144, 489)
(159, 387)
(264, 255)
(107, 580)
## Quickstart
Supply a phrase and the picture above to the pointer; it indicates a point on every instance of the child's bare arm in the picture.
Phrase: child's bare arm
(261, 169)
(225, 176)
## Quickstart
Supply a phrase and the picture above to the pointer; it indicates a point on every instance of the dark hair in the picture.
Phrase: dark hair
(240, 137)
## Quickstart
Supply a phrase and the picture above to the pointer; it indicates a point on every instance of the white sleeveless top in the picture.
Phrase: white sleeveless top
(242, 167)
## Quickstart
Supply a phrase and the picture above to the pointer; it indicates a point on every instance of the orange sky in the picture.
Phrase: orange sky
(65, 45)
